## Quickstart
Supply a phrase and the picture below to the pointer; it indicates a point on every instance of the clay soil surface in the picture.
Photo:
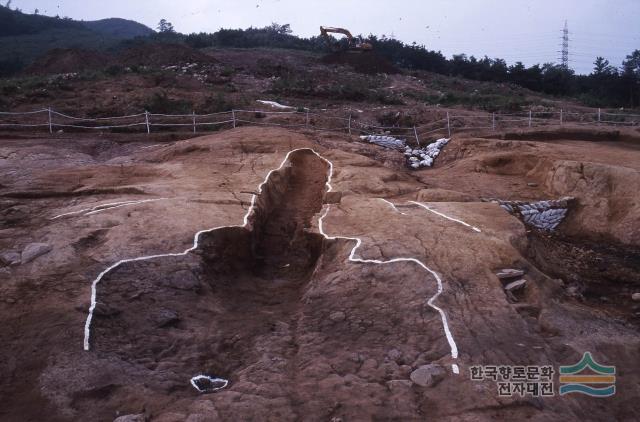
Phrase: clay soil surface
(274, 298)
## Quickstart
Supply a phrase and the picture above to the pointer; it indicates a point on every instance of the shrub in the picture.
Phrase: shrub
(216, 104)
(159, 102)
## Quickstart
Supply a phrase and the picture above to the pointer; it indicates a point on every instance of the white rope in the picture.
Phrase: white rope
(19, 113)
(98, 127)
(96, 119)
(24, 125)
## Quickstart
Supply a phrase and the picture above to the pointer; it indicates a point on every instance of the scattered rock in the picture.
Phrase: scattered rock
(398, 385)
(337, 316)
(532, 185)
(165, 318)
(183, 280)
(428, 375)
(131, 418)
(394, 354)
(516, 285)
(8, 258)
(636, 297)
(34, 250)
(509, 273)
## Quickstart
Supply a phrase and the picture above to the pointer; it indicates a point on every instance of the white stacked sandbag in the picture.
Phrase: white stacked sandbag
(385, 141)
(544, 215)
(424, 157)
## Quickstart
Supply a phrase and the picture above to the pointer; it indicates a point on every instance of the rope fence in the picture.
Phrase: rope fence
(317, 120)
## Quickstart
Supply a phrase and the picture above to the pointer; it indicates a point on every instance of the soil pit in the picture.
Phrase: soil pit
(207, 312)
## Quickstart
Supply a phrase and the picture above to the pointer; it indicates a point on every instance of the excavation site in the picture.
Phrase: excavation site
(205, 223)
(264, 273)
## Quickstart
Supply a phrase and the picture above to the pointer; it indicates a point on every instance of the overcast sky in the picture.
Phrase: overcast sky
(528, 31)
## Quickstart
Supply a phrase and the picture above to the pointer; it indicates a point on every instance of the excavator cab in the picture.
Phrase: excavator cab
(353, 44)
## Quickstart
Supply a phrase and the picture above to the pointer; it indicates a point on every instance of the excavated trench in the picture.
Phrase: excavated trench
(600, 275)
(218, 310)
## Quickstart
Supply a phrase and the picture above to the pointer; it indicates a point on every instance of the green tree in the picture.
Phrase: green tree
(164, 26)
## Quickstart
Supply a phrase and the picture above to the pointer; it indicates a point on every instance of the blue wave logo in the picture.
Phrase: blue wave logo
(574, 382)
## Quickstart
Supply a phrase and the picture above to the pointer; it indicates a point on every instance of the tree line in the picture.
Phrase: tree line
(606, 86)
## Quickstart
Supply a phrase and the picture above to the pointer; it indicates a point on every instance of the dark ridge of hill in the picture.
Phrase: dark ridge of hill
(26, 37)
(13, 23)
(119, 28)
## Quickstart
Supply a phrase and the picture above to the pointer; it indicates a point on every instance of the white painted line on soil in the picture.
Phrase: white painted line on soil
(212, 380)
(430, 302)
(392, 206)
(105, 207)
(94, 284)
(443, 316)
(426, 207)
(124, 205)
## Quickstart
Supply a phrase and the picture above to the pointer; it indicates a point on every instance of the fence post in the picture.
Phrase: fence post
(560, 117)
(233, 115)
(598, 115)
(194, 121)
(493, 121)
(146, 121)
(448, 125)
(415, 132)
(529, 117)
(349, 123)
(50, 123)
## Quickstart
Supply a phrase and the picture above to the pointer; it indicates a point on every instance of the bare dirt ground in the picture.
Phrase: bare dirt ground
(277, 307)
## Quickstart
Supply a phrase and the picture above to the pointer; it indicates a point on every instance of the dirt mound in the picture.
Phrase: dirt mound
(369, 62)
(68, 60)
(162, 54)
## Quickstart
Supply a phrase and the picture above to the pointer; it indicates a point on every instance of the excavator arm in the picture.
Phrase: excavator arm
(353, 45)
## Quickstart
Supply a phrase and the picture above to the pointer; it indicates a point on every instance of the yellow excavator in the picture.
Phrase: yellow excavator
(353, 44)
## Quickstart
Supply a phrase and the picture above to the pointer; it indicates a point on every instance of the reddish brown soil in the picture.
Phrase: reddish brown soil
(323, 338)
(68, 61)
(368, 62)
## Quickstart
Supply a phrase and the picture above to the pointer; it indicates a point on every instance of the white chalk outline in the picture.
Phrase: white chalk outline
(426, 207)
(443, 316)
(392, 205)
(105, 207)
(211, 379)
(196, 238)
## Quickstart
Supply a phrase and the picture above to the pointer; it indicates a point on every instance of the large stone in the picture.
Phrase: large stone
(165, 318)
(182, 280)
(428, 375)
(8, 258)
(34, 250)
(509, 273)
(337, 316)
(515, 285)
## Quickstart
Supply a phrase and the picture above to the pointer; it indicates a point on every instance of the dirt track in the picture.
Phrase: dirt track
(299, 330)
